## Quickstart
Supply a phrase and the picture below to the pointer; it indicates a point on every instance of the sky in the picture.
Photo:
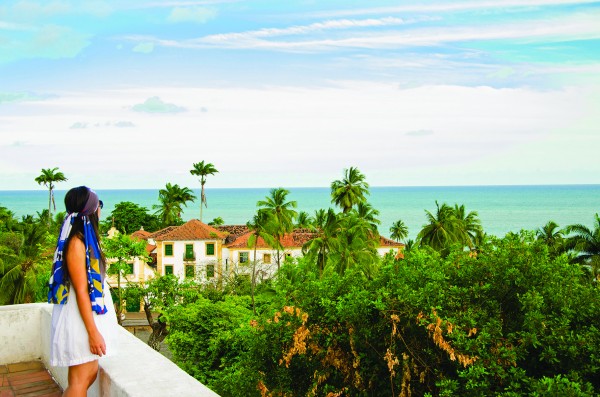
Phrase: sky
(129, 94)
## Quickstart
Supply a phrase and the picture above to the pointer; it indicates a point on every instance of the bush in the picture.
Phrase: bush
(508, 321)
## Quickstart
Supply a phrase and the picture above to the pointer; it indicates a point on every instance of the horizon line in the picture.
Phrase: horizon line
(328, 187)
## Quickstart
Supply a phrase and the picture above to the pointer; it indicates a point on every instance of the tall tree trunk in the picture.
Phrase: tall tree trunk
(159, 328)
(49, 205)
(278, 259)
(202, 198)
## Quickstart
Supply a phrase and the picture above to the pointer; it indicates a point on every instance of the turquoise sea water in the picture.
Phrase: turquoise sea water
(501, 208)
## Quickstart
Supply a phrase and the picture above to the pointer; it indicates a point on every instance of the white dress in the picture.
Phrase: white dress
(69, 343)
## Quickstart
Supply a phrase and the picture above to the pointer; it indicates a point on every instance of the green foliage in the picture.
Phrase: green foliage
(120, 251)
(26, 249)
(201, 334)
(127, 217)
(399, 230)
(48, 178)
(350, 190)
(585, 242)
(171, 200)
(218, 221)
(450, 226)
(203, 169)
(280, 215)
(512, 320)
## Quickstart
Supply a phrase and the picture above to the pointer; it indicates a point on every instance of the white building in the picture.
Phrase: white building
(208, 254)
(140, 270)
(192, 250)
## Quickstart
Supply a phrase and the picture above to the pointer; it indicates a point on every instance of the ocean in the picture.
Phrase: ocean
(501, 208)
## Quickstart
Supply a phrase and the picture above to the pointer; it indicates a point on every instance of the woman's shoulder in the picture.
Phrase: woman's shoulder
(76, 243)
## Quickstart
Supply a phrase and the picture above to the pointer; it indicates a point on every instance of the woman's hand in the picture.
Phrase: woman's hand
(97, 344)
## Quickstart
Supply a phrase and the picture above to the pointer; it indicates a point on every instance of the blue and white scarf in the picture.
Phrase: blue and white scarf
(59, 286)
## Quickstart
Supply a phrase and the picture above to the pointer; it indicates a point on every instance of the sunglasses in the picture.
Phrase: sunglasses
(100, 204)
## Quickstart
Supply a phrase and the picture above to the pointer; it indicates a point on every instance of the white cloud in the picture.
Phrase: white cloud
(578, 26)
(170, 4)
(305, 29)
(191, 14)
(116, 124)
(449, 7)
(32, 10)
(78, 126)
(15, 97)
(14, 26)
(419, 133)
(144, 48)
(307, 135)
(123, 124)
(49, 41)
(156, 105)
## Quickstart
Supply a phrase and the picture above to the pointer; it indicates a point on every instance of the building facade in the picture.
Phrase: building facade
(209, 254)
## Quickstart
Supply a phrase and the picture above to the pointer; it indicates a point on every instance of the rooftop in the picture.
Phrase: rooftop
(191, 230)
(27, 379)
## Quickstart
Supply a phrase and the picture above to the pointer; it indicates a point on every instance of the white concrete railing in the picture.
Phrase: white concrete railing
(135, 370)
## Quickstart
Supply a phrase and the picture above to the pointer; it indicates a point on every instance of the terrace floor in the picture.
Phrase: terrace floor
(27, 379)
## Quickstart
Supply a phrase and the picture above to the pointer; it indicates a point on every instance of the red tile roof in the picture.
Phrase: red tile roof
(386, 242)
(157, 234)
(233, 231)
(296, 239)
(191, 230)
(140, 235)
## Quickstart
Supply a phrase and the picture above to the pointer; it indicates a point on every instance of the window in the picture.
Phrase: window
(168, 249)
(267, 258)
(190, 272)
(129, 268)
(244, 257)
(210, 271)
(189, 251)
(210, 248)
(169, 269)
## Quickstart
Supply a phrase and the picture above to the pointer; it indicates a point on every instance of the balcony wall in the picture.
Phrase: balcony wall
(136, 370)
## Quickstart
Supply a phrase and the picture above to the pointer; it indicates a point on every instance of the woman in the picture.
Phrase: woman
(83, 319)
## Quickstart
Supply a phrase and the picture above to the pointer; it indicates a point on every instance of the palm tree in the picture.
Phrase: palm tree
(22, 265)
(469, 225)
(399, 231)
(202, 170)
(8, 222)
(442, 229)
(366, 211)
(326, 225)
(218, 221)
(587, 242)
(552, 235)
(303, 220)
(172, 198)
(281, 213)
(260, 226)
(47, 178)
(358, 245)
(349, 191)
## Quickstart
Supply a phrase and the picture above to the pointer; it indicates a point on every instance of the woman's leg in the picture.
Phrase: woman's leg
(81, 378)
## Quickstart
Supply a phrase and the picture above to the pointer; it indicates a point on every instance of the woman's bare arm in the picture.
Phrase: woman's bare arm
(78, 274)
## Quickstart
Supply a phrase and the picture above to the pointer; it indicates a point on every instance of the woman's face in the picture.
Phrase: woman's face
(100, 205)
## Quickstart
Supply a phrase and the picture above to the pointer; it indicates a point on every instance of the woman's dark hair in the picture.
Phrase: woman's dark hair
(75, 201)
